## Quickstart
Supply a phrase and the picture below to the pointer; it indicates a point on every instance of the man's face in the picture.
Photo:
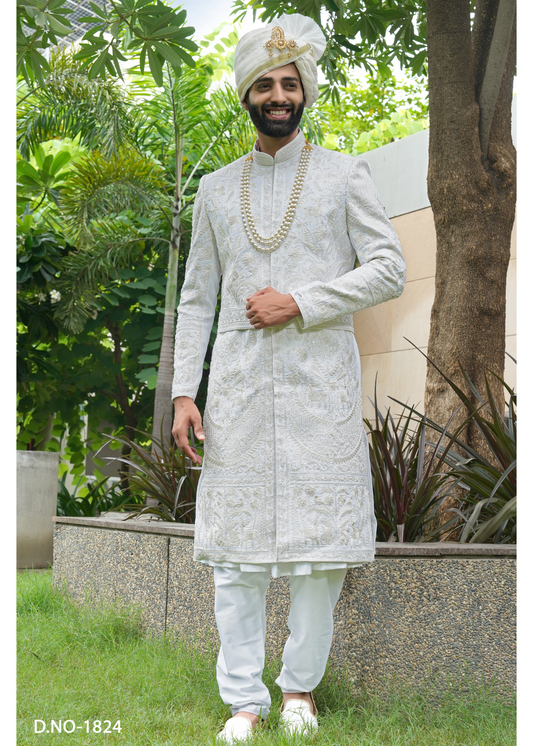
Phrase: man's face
(275, 101)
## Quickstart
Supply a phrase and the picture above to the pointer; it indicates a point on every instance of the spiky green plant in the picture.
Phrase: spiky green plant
(408, 480)
(163, 474)
(487, 513)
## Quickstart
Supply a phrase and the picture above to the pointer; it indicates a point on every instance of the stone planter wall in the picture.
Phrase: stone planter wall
(36, 505)
(419, 611)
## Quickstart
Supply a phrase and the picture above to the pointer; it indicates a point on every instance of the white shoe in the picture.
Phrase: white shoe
(236, 730)
(296, 717)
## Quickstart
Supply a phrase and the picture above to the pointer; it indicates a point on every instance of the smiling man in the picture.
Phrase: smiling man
(286, 485)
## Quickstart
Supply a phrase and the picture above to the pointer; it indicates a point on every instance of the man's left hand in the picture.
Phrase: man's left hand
(267, 307)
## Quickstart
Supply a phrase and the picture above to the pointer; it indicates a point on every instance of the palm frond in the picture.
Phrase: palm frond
(99, 186)
(96, 112)
(115, 243)
(227, 115)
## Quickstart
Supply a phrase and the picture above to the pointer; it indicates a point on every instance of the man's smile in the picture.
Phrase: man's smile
(279, 114)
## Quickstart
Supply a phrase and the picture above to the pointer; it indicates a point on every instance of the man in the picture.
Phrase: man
(285, 487)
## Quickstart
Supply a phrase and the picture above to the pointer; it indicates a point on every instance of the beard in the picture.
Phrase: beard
(269, 127)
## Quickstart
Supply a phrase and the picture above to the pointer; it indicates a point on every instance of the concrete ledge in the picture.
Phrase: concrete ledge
(383, 549)
(144, 525)
(403, 618)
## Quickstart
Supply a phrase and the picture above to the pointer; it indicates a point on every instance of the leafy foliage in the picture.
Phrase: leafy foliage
(367, 34)
(42, 181)
(100, 186)
(164, 474)
(401, 124)
(94, 112)
(151, 29)
(40, 25)
(488, 510)
(89, 501)
(373, 112)
(409, 483)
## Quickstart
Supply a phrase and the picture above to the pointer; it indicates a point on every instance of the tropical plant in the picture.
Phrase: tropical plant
(108, 367)
(164, 475)
(42, 181)
(94, 113)
(89, 501)
(374, 111)
(489, 507)
(408, 479)
(152, 29)
(86, 350)
(487, 512)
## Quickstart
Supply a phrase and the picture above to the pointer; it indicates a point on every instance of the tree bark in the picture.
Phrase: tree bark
(122, 398)
(473, 196)
(163, 406)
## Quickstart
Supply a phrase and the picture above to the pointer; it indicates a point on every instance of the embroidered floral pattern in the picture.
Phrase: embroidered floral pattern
(286, 474)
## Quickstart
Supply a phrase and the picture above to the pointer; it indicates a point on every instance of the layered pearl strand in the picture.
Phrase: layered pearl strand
(260, 242)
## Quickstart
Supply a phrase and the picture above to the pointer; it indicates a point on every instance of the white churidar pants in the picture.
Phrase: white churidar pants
(241, 621)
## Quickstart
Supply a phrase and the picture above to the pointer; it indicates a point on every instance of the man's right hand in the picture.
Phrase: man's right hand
(186, 414)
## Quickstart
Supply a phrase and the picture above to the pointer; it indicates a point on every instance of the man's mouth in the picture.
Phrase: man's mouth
(278, 114)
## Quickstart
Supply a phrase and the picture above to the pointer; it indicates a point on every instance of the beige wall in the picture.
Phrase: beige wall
(380, 331)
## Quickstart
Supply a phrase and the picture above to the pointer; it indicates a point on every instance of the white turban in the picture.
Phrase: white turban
(289, 38)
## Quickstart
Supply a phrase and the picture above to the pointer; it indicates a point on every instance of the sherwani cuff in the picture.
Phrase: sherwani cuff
(184, 391)
(307, 317)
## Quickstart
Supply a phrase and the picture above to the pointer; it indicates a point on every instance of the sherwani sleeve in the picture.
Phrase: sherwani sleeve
(198, 302)
(381, 274)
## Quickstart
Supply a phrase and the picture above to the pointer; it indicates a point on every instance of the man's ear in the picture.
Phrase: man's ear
(244, 104)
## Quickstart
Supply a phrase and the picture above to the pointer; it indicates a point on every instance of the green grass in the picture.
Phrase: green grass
(82, 664)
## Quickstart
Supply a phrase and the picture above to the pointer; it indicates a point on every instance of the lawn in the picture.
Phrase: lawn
(82, 664)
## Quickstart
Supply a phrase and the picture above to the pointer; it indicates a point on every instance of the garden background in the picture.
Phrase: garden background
(99, 230)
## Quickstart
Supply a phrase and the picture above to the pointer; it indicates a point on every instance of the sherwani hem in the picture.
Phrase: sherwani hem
(257, 558)
(281, 569)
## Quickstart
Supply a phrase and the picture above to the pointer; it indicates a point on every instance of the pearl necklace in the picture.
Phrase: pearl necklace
(260, 242)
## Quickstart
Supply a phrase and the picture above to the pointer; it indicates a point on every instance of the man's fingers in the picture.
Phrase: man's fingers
(182, 441)
(196, 422)
(191, 453)
(260, 292)
(187, 416)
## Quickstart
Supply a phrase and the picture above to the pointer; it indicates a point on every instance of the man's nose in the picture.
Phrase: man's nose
(278, 94)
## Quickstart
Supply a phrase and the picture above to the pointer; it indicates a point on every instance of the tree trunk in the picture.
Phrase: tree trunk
(472, 194)
(123, 400)
(163, 407)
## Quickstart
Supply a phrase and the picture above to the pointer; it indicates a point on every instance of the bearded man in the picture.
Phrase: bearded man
(285, 486)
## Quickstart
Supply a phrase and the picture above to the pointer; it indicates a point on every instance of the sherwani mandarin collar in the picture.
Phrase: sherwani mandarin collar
(293, 149)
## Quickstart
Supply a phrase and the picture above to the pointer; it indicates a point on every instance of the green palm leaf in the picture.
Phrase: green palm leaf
(100, 186)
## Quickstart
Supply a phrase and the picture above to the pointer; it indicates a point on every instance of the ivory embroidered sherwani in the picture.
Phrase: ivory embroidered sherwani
(286, 473)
